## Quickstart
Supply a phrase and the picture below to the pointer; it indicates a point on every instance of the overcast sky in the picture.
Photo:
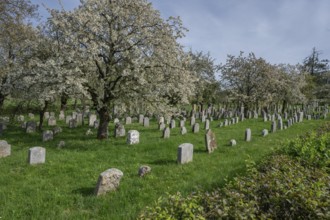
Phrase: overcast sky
(280, 31)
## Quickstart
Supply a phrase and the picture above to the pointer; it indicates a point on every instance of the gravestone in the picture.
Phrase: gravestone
(74, 115)
(20, 118)
(46, 115)
(5, 149)
(210, 141)
(280, 124)
(141, 117)
(182, 123)
(203, 118)
(185, 153)
(37, 155)
(23, 125)
(57, 130)
(145, 122)
(172, 124)
(207, 124)
(133, 137)
(309, 117)
(161, 126)
(144, 170)
(51, 114)
(61, 116)
(161, 120)
(109, 180)
(183, 130)
(301, 116)
(128, 120)
(248, 135)
(51, 121)
(232, 142)
(67, 119)
(192, 121)
(47, 135)
(96, 124)
(120, 130)
(80, 119)
(195, 128)
(31, 127)
(61, 144)
(166, 132)
(73, 123)
(265, 118)
(116, 120)
(273, 127)
(31, 115)
(264, 132)
(91, 120)
(226, 122)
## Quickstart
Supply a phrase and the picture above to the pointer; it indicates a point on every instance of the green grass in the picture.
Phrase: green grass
(62, 188)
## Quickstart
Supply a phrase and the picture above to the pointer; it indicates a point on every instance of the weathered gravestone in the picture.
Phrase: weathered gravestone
(91, 120)
(128, 120)
(161, 126)
(73, 123)
(195, 128)
(51, 121)
(46, 115)
(31, 115)
(183, 130)
(280, 124)
(232, 142)
(167, 132)
(109, 180)
(182, 123)
(144, 170)
(116, 120)
(80, 119)
(96, 124)
(61, 116)
(133, 137)
(172, 124)
(161, 120)
(37, 155)
(67, 119)
(248, 135)
(146, 122)
(31, 127)
(301, 116)
(273, 127)
(57, 130)
(5, 149)
(210, 141)
(207, 124)
(185, 153)
(47, 135)
(141, 119)
(192, 121)
(264, 132)
(120, 130)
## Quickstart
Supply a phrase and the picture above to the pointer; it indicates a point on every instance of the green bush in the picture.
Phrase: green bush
(312, 150)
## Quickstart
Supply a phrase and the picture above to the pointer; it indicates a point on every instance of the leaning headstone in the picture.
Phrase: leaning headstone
(120, 130)
(144, 170)
(47, 135)
(248, 134)
(31, 127)
(264, 132)
(133, 137)
(183, 130)
(37, 155)
(166, 132)
(207, 124)
(5, 149)
(91, 120)
(108, 181)
(232, 142)
(51, 121)
(210, 141)
(185, 153)
(145, 122)
(195, 128)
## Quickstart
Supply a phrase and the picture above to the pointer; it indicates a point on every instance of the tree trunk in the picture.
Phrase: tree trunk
(64, 101)
(41, 115)
(2, 100)
(102, 132)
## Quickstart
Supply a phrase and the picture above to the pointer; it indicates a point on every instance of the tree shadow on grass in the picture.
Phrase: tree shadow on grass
(85, 191)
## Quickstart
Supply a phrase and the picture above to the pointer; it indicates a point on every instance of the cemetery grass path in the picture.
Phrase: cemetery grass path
(62, 188)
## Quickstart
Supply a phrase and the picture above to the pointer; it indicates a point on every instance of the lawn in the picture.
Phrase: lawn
(63, 187)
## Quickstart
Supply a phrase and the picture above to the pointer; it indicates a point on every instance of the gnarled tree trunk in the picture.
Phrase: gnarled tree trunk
(102, 132)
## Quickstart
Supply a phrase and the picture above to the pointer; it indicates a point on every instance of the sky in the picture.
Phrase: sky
(280, 31)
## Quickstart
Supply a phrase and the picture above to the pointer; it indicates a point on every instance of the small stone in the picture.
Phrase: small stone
(144, 170)
(109, 180)
(232, 142)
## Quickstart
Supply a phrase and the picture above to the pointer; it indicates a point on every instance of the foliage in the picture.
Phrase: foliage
(281, 187)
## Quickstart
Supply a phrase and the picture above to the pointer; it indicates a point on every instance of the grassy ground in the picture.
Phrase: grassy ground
(62, 188)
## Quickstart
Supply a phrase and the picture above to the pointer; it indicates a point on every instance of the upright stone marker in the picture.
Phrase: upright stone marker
(172, 124)
(167, 132)
(232, 142)
(133, 137)
(31, 127)
(273, 127)
(91, 120)
(47, 135)
(120, 130)
(183, 130)
(128, 121)
(210, 141)
(37, 155)
(185, 153)
(207, 124)
(5, 149)
(248, 135)
(141, 117)
(195, 128)
(146, 122)
(51, 121)
(264, 132)
(108, 181)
